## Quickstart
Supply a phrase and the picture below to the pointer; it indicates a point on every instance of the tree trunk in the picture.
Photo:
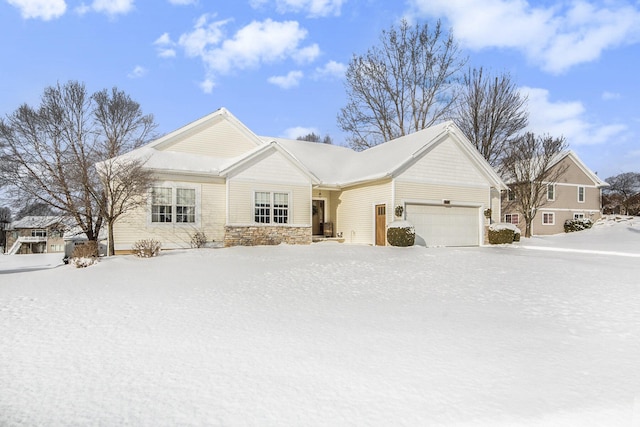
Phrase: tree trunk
(111, 249)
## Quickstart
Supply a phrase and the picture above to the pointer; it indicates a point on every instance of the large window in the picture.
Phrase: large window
(161, 204)
(551, 192)
(185, 205)
(511, 218)
(581, 194)
(171, 204)
(271, 207)
(38, 233)
(548, 218)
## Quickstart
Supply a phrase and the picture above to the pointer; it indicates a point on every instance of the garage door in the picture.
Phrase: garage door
(444, 225)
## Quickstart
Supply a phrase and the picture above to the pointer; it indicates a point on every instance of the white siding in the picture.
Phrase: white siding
(355, 211)
(445, 163)
(272, 166)
(241, 198)
(136, 225)
(218, 139)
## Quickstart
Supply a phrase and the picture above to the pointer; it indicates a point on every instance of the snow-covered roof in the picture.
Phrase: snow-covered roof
(326, 164)
(38, 221)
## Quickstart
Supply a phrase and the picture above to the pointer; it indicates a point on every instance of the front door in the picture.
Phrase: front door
(317, 217)
(381, 225)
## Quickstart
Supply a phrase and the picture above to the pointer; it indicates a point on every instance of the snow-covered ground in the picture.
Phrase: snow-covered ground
(329, 334)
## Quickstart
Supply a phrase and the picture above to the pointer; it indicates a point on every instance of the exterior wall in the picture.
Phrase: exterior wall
(266, 235)
(355, 211)
(210, 218)
(218, 139)
(565, 203)
(241, 199)
(52, 243)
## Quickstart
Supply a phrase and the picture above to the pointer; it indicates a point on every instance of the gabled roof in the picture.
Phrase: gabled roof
(217, 116)
(573, 156)
(325, 164)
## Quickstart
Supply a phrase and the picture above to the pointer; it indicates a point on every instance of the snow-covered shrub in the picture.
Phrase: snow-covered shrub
(146, 248)
(577, 224)
(198, 239)
(401, 233)
(501, 233)
(84, 254)
(83, 261)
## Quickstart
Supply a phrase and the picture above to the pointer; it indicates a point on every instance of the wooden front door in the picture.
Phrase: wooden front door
(381, 225)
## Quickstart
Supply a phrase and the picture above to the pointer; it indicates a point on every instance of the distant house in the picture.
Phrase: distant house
(576, 195)
(36, 235)
(216, 176)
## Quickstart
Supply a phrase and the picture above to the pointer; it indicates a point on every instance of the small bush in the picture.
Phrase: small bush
(401, 233)
(84, 254)
(503, 233)
(146, 248)
(198, 239)
(572, 225)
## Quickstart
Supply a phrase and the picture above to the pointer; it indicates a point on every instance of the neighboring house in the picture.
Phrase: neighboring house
(216, 176)
(36, 235)
(576, 195)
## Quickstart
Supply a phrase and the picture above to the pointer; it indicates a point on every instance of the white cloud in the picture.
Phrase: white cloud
(183, 2)
(260, 42)
(109, 7)
(138, 71)
(292, 79)
(331, 69)
(112, 7)
(555, 37)
(40, 9)
(165, 46)
(207, 85)
(313, 8)
(609, 96)
(568, 119)
(298, 131)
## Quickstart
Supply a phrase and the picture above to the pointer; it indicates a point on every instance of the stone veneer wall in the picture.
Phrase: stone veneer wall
(251, 235)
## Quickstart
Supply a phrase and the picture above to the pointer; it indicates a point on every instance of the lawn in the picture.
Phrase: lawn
(545, 332)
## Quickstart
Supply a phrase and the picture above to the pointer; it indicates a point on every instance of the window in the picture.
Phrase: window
(280, 208)
(264, 214)
(169, 204)
(581, 194)
(511, 196)
(38, 233)
(551, 192)
(578, 216)
(161, 204)
(511, 218)
(185, 205)
(548, 218)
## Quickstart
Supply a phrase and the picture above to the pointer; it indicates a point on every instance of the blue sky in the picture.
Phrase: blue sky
(278, 65)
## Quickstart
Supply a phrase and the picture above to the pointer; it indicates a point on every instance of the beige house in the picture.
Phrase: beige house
(576, 195)
(216, 176)
(36, 235)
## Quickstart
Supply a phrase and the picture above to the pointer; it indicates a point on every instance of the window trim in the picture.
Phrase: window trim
(272, 207)
(512, 215)
(584, 194)
(174, 186)
(551, 187)
(553, 218)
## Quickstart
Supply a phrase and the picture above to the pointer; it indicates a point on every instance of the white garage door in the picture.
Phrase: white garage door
(444, 226)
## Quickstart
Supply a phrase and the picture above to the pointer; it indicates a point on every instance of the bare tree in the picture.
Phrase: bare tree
(122, 127)
(624, 187)
(50, 152)
(530, 163)
(490, 112)
(402, 86)
(313, 137)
